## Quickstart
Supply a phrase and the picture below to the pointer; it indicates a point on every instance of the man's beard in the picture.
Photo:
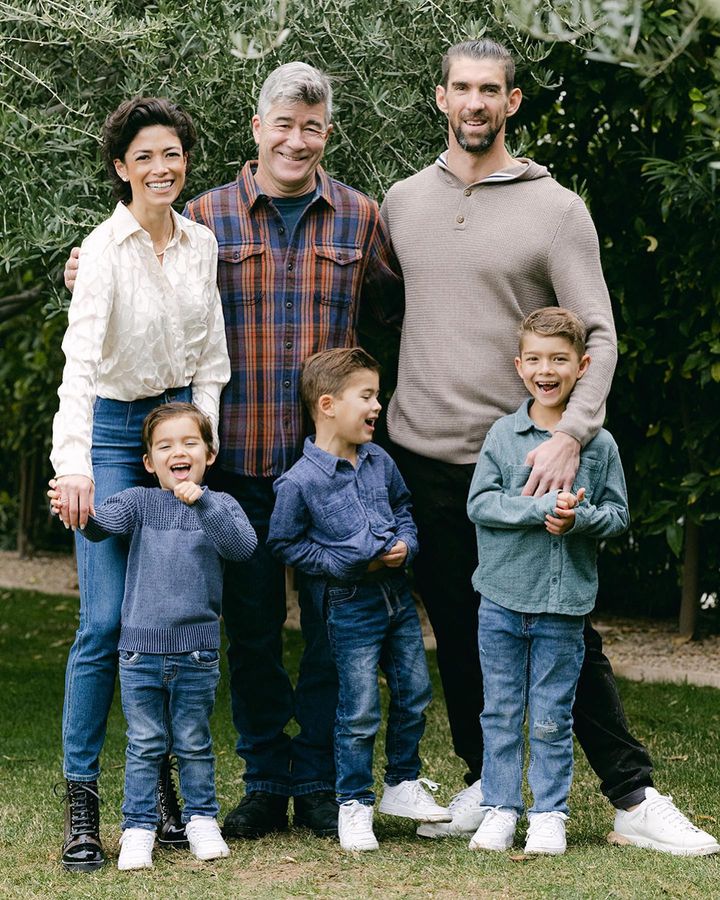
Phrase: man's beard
(480, 144)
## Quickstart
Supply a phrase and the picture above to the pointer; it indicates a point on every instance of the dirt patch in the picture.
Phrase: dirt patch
(639, 649)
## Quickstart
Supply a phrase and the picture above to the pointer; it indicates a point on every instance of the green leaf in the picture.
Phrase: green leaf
(674, 536)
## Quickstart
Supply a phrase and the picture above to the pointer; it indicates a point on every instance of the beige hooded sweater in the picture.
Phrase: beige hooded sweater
(476, 260)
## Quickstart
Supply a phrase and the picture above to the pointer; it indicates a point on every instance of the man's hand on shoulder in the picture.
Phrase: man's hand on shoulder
(554, 465)
(71, 268)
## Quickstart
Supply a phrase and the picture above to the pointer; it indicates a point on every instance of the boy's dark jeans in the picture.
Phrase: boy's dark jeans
(443, 571)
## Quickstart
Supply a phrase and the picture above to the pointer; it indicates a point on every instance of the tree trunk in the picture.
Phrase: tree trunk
(28, 466)
(689, 597)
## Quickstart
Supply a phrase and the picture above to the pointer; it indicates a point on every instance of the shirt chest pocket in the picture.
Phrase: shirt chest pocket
(241, 273)
(515, 478)
(381, 509)
(343, 517)
(587, 477)
(337, 273)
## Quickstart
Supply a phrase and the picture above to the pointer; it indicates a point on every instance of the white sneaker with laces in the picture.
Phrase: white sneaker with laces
(657, 824)
(467, 811)
(496, 831)
(410, 800)
(546, 833)
(355, 826)
(136, 847)
(206, 842)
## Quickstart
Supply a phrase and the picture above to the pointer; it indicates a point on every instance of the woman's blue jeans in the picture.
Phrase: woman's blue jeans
(370, 625)
(528, 662)
(92, 663)
(167, 700)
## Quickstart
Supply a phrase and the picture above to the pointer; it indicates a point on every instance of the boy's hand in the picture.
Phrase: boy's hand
(188, 492)
(396, 556)
(564, 517)
(71, 268)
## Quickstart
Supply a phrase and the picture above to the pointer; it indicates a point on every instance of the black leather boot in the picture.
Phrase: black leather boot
(256, 815)
(82, 850)
(170, 831)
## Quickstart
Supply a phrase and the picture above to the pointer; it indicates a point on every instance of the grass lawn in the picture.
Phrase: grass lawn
(681, 726)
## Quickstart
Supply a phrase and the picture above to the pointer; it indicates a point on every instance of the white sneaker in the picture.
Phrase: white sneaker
(136, 847)
(658, 824)
(467, 811)
(546, 833)
(355, 826)
(496, 831)
(206, 842)
(410, 800)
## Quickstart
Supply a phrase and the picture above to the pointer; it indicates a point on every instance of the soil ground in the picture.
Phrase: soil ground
(639, 649)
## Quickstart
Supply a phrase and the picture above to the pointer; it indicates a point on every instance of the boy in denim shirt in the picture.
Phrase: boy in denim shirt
(537, 579)
(342, 518)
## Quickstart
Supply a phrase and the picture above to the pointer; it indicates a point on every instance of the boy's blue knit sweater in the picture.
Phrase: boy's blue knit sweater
(173, 585)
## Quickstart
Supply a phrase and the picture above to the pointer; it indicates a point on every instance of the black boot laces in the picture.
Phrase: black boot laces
(84, 807)
(167, 795)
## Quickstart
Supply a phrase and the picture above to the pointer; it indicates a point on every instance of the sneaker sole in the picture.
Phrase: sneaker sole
(367, 849)
(622, 840)
(403, 812)
(429, 831)
(543, 851)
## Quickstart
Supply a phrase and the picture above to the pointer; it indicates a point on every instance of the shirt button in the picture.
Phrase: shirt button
(288, 345)
(467, 192)
(289, 304)
(286, 383)
(553, 581)
(290, 265)
(460, 219)
(281, 230)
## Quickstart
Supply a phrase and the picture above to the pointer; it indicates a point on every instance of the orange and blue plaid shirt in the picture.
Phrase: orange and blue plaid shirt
(286, 296)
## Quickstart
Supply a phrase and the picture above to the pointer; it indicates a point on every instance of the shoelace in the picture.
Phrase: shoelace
(666, 809)
(550, 824)
(498, 818)
(137, 839)
(204, 833)
(167, 795)
(84, 814)
(359, 816)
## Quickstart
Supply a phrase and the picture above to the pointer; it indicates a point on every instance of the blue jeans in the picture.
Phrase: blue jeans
(370, 625)
(92, 662)
(528, 661)
(167, 700)
(262, 696)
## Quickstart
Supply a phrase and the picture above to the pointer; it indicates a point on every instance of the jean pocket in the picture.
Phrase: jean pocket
(335, 595)
(128, 657)
(206, 658)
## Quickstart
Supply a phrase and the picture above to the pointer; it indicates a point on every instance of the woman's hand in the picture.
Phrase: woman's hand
(72, 497)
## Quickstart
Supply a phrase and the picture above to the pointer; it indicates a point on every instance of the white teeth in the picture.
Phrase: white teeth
(159, 185)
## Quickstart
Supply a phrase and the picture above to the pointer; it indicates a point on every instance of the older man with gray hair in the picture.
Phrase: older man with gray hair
(299, 255)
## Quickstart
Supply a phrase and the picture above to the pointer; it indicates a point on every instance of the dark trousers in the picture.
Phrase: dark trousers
(262, 696)
(443, 571)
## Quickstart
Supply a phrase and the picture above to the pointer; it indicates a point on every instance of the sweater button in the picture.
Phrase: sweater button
(467, 192)
(460, 220)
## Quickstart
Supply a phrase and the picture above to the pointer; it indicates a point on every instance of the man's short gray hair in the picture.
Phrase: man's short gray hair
(296, 82)
(480, 49)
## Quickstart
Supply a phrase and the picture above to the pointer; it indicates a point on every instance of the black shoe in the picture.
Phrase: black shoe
(256, 815)
(170, 831)
(318, 812)
(82, 850)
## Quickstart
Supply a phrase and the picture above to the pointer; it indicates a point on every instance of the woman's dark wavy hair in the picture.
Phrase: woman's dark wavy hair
(129, 118)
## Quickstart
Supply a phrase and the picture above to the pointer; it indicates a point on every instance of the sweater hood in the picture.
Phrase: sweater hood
(521, 169)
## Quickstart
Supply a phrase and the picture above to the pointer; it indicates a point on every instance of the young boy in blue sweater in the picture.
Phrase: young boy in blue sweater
(342, 518)
(537, 579)
(179, 535)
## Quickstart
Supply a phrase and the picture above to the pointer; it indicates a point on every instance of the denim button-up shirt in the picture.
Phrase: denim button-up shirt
(521, 565)
(332, 518)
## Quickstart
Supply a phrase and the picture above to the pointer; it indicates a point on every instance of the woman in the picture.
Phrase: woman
(145, 327)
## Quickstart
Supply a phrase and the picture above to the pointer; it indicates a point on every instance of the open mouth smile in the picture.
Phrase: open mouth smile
(180, 470)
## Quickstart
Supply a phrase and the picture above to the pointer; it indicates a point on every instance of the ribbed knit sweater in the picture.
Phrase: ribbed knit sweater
(173, 585)
(476, 260)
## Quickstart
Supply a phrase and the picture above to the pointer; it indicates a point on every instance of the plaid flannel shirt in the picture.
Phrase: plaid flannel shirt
(286, 296)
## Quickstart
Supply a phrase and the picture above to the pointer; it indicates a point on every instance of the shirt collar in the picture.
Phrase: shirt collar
(326, 461)
(124, 224)
(523, 423)
(250, 192)
(509, 174)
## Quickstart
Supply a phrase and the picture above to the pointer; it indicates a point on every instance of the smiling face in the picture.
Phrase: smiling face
(477, 103)
(291, 140)
(354, 412)
(178, 452)
(549, 367)
(155, 166)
